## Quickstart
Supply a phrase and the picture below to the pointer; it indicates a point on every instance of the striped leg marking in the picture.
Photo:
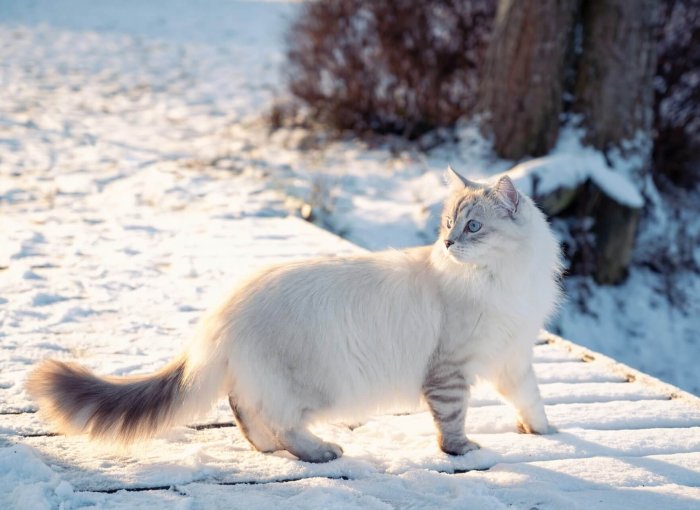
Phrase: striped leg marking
(446, 391)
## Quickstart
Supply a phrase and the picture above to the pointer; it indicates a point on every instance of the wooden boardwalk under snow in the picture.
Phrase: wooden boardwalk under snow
(623, 440)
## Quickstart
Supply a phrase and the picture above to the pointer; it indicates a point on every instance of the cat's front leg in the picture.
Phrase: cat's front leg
(446, 391)
(517, 383)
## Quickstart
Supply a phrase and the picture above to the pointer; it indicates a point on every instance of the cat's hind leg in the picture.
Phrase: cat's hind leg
(517, 384)
(254, 429)
(446, 391)
(308, 447)
(298, 441)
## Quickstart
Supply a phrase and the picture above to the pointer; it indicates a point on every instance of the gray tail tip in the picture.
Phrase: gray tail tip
(44, 379)
(124, 409)
(50, 385)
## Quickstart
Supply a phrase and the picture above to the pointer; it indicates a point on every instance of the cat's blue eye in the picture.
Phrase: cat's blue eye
(473, 226)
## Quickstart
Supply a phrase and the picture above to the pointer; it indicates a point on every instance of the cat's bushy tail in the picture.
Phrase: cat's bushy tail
(123, 409)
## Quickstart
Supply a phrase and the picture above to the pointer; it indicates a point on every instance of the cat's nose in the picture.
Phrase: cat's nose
(448, 243)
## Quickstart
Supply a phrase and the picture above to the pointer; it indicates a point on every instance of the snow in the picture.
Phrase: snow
(138, 183)
(569, 165)
(643, 435)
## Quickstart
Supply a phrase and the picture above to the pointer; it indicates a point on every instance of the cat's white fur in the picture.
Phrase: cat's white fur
(341, 338)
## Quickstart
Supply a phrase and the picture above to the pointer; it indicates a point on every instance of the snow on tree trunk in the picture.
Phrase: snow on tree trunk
(524, 73)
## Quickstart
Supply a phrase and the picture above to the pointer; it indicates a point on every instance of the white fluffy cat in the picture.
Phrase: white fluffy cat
(341, 338)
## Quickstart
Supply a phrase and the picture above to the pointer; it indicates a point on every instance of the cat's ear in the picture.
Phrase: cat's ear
(458, 182)
(506, 195)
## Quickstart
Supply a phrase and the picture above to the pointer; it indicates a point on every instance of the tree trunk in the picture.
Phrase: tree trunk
(531, 49)
(614, 92)
(614, 89)
(615, 229)
(523, 74)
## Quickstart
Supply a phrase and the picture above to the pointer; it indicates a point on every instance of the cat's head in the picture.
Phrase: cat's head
(483, 223)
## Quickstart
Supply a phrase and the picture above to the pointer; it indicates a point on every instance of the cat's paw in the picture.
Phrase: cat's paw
(325, 452)
(458, 446)
(540, 428)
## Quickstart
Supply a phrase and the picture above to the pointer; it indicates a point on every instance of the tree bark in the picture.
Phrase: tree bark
(523, 74)
(614, 90)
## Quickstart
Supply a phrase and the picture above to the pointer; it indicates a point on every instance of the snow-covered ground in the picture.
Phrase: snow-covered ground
(121, 293)
(134, 162)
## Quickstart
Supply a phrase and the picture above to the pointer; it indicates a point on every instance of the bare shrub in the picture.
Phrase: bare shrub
(677, 102)
(388, 66)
